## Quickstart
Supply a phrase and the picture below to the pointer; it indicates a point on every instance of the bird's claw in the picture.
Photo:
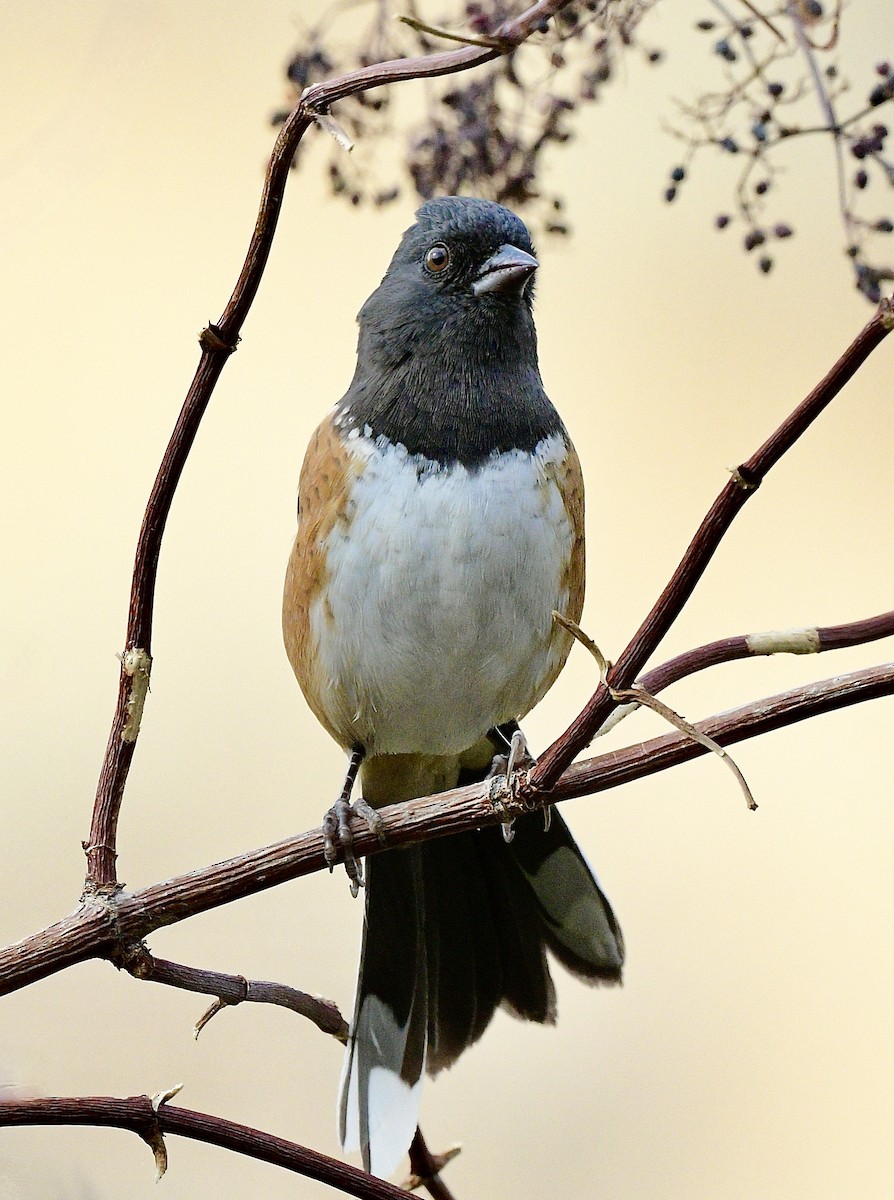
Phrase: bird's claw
(518, 758)
(339, 836)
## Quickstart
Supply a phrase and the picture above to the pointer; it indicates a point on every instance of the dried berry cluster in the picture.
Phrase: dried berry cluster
(778, 70)
(486, 132)
(489, 131)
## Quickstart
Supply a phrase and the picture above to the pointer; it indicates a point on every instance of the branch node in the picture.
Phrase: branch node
(212, 339)
(886, 313)
(741, 477)
(134, 958)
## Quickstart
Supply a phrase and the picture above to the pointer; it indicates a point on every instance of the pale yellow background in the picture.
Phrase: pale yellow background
(749, 1053)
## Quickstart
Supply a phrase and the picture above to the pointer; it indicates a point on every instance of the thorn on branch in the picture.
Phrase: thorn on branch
(210, 1012)
(153, 1136)
(328, 122)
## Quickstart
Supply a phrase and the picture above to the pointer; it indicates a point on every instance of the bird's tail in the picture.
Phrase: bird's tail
(453, 928)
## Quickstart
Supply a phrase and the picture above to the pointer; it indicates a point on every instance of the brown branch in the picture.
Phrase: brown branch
(231, 989)
(744, 482)
(102, 925)
(137, 1114)
(807, 640)
(426, 1168)
(218, 342)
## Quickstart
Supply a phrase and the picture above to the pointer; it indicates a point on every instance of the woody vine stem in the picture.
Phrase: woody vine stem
(111, 923)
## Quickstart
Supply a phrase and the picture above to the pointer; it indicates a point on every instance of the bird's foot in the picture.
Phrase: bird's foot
(338, 835)
(518, 758)
(337, 832)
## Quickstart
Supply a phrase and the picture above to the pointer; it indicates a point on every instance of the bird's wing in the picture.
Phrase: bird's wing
(323, 493)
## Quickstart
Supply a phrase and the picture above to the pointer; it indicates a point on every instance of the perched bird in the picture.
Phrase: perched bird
(440, 523)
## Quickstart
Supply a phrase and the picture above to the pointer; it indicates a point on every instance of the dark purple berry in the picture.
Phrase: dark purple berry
(706, 26)
(729, 144)
(670, 194)
(721, 220)
(678, 174)
(883, 69)
(860, 180)
(766, 264)
(753, 238)
(782, 230)
(762, 187)
(884, 225)
(775, 89)
(881, 93)
(725, 50)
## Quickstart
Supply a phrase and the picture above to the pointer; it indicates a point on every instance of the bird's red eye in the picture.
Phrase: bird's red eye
(437, 258)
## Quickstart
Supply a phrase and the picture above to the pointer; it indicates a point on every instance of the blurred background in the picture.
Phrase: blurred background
(749, 1052)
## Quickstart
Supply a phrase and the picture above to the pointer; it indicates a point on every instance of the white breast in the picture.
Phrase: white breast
(442, 583)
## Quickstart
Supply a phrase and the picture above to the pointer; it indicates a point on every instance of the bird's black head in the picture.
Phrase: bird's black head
(447, 357)
(465, 248)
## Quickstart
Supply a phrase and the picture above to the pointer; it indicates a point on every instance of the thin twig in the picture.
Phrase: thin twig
(426, 1168)
(231, 990)
(138, 1114)
(803, 640)
(825, 102)
(464, 38)
(97, 929)
(638, 695)
(763, 19)
(720, 516)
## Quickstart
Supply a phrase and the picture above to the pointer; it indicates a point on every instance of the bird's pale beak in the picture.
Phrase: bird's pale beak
(506, 271)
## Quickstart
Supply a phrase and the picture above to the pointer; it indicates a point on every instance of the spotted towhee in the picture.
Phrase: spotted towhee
(440, 523)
